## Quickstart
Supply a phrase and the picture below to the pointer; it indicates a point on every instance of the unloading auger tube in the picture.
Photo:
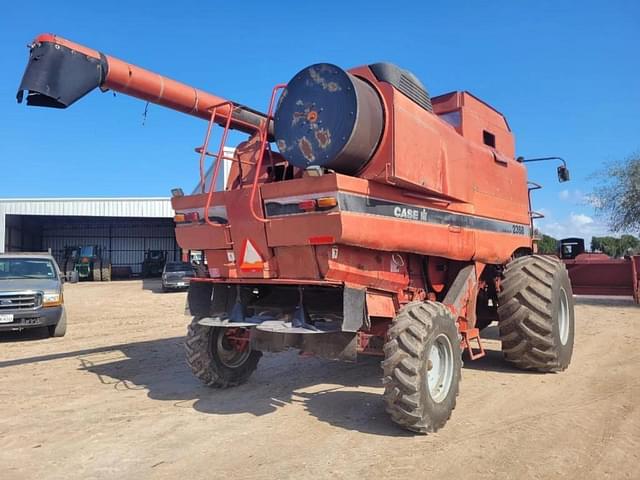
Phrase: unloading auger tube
(326, 117)
(60, 72)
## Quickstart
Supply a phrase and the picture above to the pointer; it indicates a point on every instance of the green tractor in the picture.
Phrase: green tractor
(153, 263)
(88, 261)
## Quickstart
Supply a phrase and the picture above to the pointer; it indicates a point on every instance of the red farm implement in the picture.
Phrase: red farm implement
(361, 216)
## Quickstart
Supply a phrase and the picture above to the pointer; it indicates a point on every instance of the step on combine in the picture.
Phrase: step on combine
(360, 217)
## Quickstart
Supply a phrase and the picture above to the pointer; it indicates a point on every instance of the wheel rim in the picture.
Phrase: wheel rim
(563, 317)
(228, 354)
(440, 368)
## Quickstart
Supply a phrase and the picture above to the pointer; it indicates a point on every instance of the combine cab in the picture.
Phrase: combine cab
(360, 217)
(87, 262)
(570, 248)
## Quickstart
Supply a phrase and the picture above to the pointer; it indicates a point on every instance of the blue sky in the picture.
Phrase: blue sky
(566, 75)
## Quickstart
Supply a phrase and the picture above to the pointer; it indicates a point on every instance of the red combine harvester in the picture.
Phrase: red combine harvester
(599, 274)
(387, 223)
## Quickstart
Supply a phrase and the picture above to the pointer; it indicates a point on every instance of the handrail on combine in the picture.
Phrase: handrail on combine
(203, 150)
(262, 130)
(216, 168)
(263, 146)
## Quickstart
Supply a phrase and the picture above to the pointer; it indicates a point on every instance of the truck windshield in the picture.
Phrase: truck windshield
(12, 268)
(86, 252)
(178, 267)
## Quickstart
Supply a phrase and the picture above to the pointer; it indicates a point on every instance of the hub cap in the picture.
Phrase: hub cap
(440, 368)
(563, 317)
(228, 353)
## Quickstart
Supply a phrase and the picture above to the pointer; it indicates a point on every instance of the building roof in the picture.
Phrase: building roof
(37, 255)
(150, 207)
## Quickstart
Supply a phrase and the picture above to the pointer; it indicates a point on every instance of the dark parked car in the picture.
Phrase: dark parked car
(176, 275)
(31, 293)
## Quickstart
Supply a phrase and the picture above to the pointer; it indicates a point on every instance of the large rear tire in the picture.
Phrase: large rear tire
(422, 367)
(69, 267)
(96, 271)
(536, 313)
(105, 272)
(213, 358)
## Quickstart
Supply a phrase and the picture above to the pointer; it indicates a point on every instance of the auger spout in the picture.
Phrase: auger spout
(60, 72)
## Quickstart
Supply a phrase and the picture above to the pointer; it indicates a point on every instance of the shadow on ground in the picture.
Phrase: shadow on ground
(28, 334)
(493, 360)
(326, 389)
(154, 284)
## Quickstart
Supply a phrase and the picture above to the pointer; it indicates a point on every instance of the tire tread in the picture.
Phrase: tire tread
(404, 354)
(526, 319)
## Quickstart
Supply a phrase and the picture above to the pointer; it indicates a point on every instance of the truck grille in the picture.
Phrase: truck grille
(20, 301)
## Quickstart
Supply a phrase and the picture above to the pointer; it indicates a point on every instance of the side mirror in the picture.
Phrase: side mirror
(563, 174)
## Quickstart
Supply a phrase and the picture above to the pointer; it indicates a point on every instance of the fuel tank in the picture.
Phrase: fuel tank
(328, 118)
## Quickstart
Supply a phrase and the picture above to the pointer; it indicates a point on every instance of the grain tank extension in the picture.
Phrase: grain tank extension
(361, 216)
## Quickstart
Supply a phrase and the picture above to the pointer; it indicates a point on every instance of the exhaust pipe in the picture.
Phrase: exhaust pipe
(61, 72)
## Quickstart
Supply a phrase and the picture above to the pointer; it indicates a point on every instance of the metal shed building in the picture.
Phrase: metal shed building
(124, 227)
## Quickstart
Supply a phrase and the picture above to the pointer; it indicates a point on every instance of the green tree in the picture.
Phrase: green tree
(616, 247)
(617, 197)
(547, 244)
(629, 245)
(608, 245)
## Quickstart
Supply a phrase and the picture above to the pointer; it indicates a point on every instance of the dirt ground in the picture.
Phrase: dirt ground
(114, 399)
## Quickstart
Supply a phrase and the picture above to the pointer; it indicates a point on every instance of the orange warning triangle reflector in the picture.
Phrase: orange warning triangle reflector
(251, 259)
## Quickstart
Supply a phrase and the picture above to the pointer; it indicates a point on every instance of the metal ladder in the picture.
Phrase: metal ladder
(262, 131)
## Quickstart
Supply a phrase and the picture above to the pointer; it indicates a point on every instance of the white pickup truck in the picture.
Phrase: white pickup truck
(31, 293)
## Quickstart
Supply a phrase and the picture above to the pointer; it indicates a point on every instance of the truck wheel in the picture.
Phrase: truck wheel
(422, 367)
(220, 357)
(536, 314)
(105, 273)
(60, 328)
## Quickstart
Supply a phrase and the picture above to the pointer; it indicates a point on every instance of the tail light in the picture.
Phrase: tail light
(327, 202)
(186, 217)
(191, 217)
(322, 240)
(322, 203)
(307, 205)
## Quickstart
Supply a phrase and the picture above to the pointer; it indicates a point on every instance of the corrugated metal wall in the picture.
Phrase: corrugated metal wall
(94, 207)
(19, 237)
(16, 234)
(125, 239)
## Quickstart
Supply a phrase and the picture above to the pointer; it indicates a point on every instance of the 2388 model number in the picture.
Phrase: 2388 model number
(517, 229)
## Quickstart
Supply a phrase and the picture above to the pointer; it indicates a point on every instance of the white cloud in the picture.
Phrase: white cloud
(576, 196)
(576, 224)
(580, 220)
